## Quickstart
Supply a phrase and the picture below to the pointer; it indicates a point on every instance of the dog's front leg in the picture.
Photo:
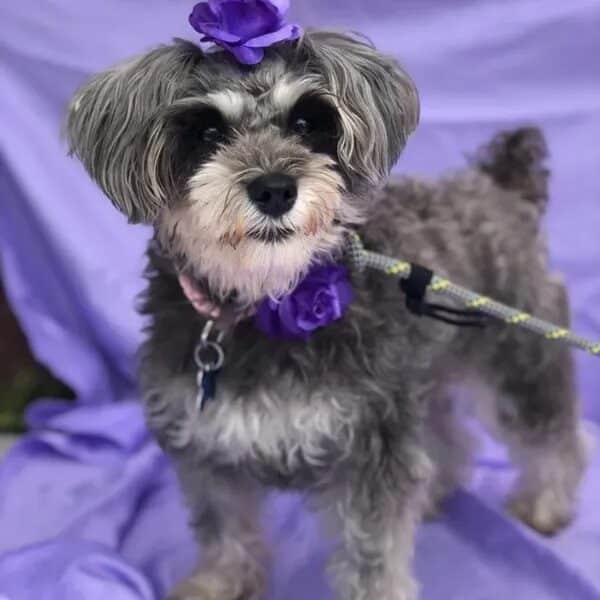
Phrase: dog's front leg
(379, 508)
(234, 558)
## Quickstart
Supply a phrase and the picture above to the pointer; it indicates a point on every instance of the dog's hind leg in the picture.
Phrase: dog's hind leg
(534, 410)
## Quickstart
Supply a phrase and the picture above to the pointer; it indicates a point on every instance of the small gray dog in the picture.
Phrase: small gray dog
(249, 176)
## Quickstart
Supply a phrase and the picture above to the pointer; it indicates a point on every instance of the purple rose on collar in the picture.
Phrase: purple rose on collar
(320, 298)
(244, 27)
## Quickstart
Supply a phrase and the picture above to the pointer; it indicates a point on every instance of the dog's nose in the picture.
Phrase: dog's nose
(274, 193)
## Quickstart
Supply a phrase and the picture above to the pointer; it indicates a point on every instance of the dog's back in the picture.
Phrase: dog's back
(479, 226)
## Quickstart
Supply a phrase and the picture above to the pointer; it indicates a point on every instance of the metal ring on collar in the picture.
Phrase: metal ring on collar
(206, 364)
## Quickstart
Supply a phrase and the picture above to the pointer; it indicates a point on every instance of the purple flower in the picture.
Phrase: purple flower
(320, 298)
(244, 27)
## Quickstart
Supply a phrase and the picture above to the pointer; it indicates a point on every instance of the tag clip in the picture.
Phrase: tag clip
(209, 358)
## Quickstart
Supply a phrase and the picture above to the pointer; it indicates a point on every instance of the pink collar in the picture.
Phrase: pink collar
(206, 307)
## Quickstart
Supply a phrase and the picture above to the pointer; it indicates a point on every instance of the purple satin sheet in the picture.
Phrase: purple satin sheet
(89, 507)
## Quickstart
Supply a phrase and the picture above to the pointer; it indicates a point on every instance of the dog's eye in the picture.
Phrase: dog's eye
(212, 135)
(301, 126)
(210, 126)
(203, 127)
(315, 120)
(194, 134)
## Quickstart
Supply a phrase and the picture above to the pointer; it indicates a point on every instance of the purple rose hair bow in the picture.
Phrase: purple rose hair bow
(320, 298)
(244, 27)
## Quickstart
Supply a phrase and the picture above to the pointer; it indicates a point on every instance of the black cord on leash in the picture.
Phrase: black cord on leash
(415, 288)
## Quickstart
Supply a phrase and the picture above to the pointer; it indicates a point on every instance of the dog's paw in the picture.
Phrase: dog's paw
(217, 586)
(190, 590)
(545, 512)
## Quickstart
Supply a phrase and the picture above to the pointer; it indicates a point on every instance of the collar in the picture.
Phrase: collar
(209, 309)
(224, 314)
(321, 297)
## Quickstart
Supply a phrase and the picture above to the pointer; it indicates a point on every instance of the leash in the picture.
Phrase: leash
(422, 280)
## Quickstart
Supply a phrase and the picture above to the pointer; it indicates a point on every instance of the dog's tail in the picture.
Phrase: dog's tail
(515, 160)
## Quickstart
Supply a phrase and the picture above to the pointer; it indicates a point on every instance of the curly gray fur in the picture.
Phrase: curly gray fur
(360, 416)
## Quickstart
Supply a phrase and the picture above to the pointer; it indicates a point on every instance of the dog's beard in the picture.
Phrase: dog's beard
(227, 241)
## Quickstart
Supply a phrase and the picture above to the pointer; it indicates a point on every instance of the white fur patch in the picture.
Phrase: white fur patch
(287, 91)
(268, 421)
(231, 104)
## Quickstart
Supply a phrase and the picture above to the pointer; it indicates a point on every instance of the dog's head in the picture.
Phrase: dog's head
(250, 174)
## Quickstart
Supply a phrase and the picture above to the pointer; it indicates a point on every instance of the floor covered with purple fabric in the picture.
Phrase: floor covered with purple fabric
(89, 507)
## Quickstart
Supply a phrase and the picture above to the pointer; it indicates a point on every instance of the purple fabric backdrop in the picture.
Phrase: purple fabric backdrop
(88, 504)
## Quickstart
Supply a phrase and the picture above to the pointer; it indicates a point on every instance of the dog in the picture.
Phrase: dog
(251, 175)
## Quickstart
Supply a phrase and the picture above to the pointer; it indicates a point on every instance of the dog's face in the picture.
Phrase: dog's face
(248, 174)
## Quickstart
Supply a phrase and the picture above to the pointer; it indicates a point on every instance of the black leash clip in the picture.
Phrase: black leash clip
(415, 288)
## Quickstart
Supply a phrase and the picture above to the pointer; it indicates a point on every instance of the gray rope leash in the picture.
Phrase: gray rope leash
(360, 258)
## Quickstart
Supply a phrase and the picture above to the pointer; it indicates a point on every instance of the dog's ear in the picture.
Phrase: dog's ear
(376, 99)
(109, 120)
